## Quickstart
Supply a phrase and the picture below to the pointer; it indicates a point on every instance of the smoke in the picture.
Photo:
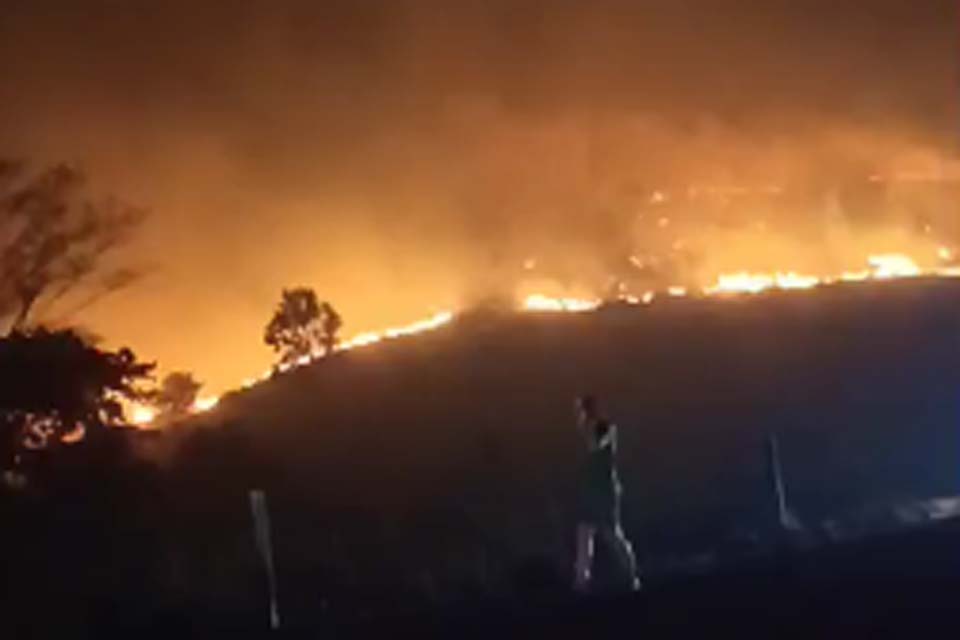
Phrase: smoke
(408, 156)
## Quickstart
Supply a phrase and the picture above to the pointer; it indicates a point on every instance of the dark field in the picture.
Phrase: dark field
(438, 471)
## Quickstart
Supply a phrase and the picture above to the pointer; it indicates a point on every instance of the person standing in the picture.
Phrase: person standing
(600, 500)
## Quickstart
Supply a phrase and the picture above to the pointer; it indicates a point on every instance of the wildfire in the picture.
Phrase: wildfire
(540, 302)
(893, 265)
(745, 282)
(881, 267)
(854, 276)
(886, 266)
(74, 435)
(144, 416)
(205, 404)
(428, 324)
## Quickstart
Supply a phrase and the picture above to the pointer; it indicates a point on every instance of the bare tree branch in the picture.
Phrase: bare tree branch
(53, 240)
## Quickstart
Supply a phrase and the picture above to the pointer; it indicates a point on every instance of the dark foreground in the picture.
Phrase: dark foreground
(907, 582)
(436, 474)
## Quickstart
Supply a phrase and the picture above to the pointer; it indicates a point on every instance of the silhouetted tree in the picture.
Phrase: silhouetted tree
(53, 385)
(330, 323)
(177, 393)
(302, 326)
(53, 239)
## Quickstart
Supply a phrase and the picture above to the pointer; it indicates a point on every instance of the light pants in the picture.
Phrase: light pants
(614, 537)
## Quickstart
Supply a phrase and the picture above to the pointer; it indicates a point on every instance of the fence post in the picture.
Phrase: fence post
(776, 481)
(261, 530)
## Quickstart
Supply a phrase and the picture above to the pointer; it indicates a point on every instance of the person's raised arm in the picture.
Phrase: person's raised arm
(604, 435)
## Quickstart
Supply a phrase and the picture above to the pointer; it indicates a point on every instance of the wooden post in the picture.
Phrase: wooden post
(261, 530)
(776, 481)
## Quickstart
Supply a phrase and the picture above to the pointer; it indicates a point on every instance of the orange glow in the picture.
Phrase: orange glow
(372, 337)
(205, 404)
(855, 276)
(540, 302)
(744, 282)
(893, 265)
(142, 415)
(884, 266)
(75, 435)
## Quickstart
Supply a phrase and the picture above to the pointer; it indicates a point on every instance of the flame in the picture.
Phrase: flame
(74, 435)
(885, 266)
(362, 340)
(893, 265)
(745, 282)
(882, 266)
(205, 404)
(855, 276)
(144, 415)
(372, 337)
(304, 360)
(141, 414)
(540, 302)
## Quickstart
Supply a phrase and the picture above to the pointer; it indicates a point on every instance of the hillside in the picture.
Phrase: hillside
(899, 583)
(445, 461)
(440, 469)
(858, 380)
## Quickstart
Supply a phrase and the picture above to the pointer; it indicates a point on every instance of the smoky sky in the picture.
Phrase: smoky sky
(403, 156)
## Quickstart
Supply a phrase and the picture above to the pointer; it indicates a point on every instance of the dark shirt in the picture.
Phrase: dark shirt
(601, 469)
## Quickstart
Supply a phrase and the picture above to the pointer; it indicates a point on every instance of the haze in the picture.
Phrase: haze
(403, 157)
